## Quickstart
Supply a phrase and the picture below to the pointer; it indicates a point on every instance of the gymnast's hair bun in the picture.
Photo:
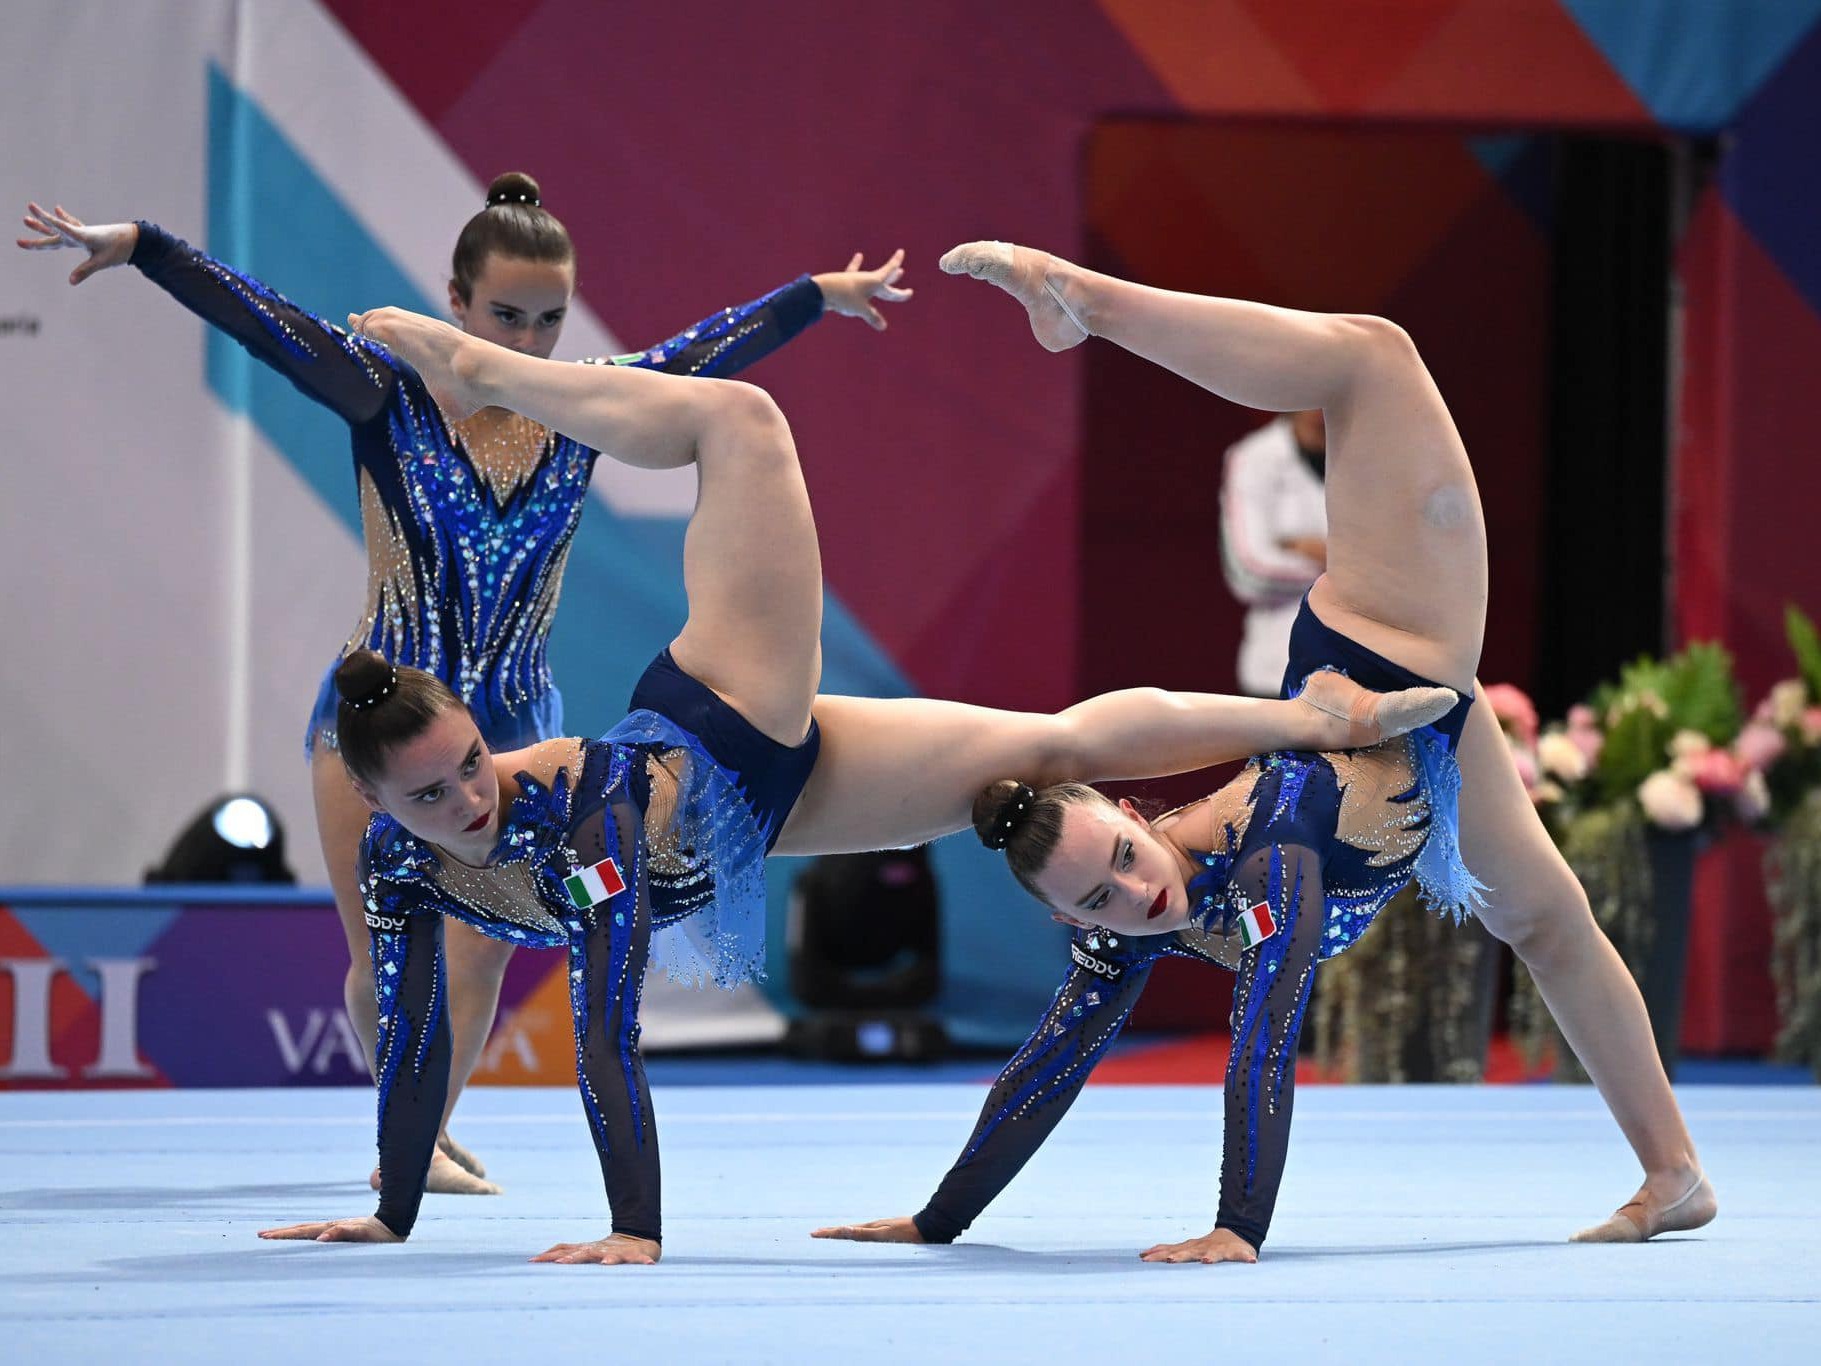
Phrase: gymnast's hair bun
(365, 679)
(1000, 810)
(515, 187)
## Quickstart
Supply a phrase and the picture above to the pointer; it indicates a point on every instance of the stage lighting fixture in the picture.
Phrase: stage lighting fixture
(236, 838)
(865, 957)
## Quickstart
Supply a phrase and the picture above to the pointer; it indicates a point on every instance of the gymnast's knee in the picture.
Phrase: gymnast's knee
(746, 408)
(1544, 928)
(1378, 340)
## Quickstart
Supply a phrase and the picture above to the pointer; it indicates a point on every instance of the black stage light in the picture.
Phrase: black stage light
(235, 838)
(865, 953)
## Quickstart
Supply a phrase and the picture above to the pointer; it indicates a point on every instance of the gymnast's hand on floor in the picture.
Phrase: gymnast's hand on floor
(367, 1229)
(616, 1249)
(108, 244)
(850, 292)
(1222, 1245)
(899, 1230)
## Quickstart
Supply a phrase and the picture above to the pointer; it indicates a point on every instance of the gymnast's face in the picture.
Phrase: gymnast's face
(442, 787)
(517, 304)
(1110, 869)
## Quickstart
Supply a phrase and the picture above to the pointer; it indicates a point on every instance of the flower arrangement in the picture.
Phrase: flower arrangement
(1629, 784)
(1787, 726)
(1625, 784)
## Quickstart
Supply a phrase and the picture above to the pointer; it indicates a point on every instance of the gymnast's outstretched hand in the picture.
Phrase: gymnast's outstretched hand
(616, 1249)
(366, 1229)
(1222, 1245)
(108, 244)
(899, 1230)
(851, 292)
(434, 349)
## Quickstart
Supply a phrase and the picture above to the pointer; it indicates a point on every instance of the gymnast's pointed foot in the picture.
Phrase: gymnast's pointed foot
(1047, 286)
(1649, 1214)
(1352, 717)
(462, 1158)
(446, 1178)
(442, 355)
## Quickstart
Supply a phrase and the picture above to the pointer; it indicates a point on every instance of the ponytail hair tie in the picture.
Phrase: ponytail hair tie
(1013, 812)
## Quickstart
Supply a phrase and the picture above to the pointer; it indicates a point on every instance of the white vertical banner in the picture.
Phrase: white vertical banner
(113, 690)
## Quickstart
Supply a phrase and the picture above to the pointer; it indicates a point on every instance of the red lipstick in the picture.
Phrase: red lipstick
(1158, 906)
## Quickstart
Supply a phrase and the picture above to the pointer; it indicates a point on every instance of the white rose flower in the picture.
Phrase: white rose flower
(1670, 802)
(1787, 701)
(1561, 758)
(1689, 744)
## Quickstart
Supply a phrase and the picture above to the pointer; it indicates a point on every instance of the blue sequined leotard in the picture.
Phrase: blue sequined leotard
(1306, 850)
(685, 798)
(465, 547)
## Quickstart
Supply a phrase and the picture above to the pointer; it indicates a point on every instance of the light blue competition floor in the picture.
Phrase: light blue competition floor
(1416, 1225)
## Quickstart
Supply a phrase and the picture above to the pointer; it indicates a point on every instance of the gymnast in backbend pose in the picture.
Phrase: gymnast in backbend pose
(1287, 864)
(468, 522)
(728, 752)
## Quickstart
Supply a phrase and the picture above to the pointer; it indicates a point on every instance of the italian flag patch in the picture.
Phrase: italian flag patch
(1256, 925)
(592, 886)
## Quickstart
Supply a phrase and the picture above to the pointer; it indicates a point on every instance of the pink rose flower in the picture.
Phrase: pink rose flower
(1581, 715)
(1670, 802)
(1718, 773)
(1526, 767)
(1515, 711)
(1759, 746)
(1753, 800)
(1586, 737)
(1811, 725)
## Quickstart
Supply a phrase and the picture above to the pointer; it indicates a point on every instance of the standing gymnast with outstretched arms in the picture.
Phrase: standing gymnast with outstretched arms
(467, 522)
(1288, 864)
(728, 753)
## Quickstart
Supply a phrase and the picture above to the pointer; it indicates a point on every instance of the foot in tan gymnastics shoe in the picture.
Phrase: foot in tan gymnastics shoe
(462, 1158)
(446, 1178)
(1643, 1218)
(1352, 717)
(1036, 279)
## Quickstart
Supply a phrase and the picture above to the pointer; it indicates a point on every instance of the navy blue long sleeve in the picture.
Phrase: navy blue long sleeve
(411, 1057)
(1043, 1078)
(351, 377)
(1270, 1000)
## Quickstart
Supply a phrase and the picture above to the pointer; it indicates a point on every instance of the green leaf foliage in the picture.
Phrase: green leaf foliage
(1637, 741)
(1805, 644)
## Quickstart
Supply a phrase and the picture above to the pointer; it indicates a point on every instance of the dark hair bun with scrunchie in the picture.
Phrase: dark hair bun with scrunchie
(365, 679)
(383, 705)
(1000, 810)
(1026, 823)
(515, 187)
